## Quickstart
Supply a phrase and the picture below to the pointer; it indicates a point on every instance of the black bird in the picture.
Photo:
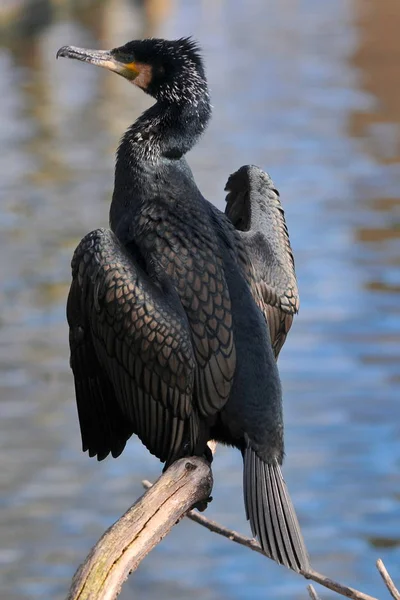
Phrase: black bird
(178, 313)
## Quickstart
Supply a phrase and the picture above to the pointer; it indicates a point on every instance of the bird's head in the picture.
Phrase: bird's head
(170, 70)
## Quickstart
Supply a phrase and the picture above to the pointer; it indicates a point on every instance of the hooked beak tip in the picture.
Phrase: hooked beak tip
(61, 52)
(95, 57)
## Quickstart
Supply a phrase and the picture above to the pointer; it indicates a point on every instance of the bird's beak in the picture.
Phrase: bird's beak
(101, 58)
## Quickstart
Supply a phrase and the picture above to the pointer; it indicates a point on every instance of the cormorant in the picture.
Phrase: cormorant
(178, 312)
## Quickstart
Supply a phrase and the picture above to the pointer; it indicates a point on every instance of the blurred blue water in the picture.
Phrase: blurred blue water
(291, 96)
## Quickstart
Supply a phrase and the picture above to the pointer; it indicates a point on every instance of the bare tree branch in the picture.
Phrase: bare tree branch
(343, 590)
(124, 545)
(388, 580)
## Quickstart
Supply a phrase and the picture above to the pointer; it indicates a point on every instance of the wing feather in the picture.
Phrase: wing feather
(254, 208)
(188, 250)
(131, 352)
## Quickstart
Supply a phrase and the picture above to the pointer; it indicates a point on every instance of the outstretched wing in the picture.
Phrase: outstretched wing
(131, 352)
(254, 208)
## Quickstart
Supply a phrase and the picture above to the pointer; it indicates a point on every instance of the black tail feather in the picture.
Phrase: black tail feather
(271, 514)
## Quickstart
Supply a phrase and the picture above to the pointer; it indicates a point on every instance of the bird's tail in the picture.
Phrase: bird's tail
(271, 513)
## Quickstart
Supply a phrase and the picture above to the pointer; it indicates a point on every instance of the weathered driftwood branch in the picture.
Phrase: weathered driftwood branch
(341, 589)
(124, 545)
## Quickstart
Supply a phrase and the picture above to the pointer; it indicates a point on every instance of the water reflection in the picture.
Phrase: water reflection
(307, 90)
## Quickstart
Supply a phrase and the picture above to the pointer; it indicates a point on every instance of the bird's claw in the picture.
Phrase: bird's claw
(202, 505)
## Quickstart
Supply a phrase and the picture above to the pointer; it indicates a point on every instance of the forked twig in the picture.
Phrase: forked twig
(339, 588)
(123, 546)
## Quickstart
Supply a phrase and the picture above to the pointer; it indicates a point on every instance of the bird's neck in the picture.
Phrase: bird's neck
(150, 158)
(167, 129)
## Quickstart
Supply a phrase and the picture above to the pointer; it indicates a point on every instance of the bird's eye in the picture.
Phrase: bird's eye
(124, 57)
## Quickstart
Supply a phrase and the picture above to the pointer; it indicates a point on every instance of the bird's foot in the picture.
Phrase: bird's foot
(202, 505)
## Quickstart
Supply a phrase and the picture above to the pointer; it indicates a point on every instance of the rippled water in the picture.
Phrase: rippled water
(309, 91)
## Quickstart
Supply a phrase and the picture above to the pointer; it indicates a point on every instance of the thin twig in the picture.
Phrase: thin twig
(345, 591)
(312, 593)
(388, 580)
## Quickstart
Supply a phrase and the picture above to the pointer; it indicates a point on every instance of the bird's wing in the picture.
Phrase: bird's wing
(131, 353)
(254, 208)
(189, 254)
(205, 296)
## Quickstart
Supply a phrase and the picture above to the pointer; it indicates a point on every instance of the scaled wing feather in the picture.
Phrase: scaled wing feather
(131, 353)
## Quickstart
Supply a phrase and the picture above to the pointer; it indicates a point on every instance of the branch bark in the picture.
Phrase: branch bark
(124, 545)
(343, 590)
